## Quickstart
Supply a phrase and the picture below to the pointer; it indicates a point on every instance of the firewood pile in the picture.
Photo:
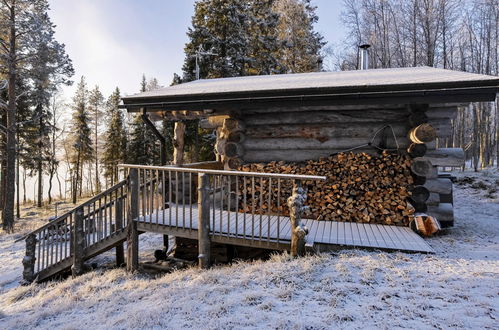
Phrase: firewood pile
(359, 188)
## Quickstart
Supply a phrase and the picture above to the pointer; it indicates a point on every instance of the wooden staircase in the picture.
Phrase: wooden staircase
(86, 231)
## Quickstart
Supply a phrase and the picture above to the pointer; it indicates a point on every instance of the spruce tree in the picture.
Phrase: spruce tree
(82, 150)
(115, 145)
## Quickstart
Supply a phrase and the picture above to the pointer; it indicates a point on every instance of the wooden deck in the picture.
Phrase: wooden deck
(275, 232)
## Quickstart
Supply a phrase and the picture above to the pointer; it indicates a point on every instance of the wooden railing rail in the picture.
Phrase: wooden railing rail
(71, 233)
(252, 206)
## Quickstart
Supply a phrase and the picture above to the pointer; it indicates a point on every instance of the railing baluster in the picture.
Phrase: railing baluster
(229, 190)
(176, 199)
(156, 208)
(252, 207)
(278, 209)
(245, 193)
(221, 204)
(38, 243)
(269, 208)
(261, 206)
(163, 193)
(170, 196)
(183, 200)
(237, 204)
(191, 200)
(213, 197)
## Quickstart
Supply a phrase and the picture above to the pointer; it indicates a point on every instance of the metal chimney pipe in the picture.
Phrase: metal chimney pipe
(364, 56)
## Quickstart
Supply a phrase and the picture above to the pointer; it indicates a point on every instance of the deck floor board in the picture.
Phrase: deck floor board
(320, 232)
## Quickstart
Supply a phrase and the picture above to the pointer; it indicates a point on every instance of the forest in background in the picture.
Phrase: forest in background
(229, 38)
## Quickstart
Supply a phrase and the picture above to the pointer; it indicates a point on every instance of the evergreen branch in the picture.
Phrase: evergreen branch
(3, 129)
(9, 7)
(30, 120)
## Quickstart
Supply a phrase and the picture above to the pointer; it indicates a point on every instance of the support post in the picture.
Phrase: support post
(178, 143)
(296, 208)
(29, 260)
(132, 263)
(78, 243)
(120, 252)
(204, 220)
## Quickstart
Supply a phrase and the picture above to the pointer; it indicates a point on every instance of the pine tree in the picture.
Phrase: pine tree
(95, 104)
(82, 150)
(115, 146)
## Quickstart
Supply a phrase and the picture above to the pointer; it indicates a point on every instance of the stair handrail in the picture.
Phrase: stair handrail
(73, 210)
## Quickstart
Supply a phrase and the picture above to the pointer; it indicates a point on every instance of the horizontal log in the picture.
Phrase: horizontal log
(439, 185)
(212, 122)
(308, 108)
(310, 117)
(442, 212)
(329, 144)
(292, 155)
(442, 113)
(433, 200)
(325, 131)
(450, 157)
(442, 127)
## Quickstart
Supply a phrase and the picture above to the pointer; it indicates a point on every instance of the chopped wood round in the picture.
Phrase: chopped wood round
(233, 150)
(420, 194)
(421, 167)
(417, 150)
(422, 134)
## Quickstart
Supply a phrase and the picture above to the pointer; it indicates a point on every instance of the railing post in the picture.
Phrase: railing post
(132, 263)
(296, 208)
(29, 259)
(78, 243)
(120, 252)
(204, 220)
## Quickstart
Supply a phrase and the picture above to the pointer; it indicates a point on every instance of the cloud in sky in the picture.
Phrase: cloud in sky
(113, 42)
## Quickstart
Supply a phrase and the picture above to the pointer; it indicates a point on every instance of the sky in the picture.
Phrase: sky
(113, 42)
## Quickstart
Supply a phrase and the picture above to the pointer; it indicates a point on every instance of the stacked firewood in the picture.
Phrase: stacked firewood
(359, 188)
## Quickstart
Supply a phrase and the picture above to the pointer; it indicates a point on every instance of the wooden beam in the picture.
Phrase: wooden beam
(132, 263)
(204, 243)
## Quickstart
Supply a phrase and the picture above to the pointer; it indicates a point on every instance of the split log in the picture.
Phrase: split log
(422, 134)
(293, 155)
(359, 187)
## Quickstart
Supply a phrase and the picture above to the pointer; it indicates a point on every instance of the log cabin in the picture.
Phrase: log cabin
(367, 141)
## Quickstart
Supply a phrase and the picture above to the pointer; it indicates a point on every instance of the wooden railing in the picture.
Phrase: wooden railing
(68, 236)
(221, 204)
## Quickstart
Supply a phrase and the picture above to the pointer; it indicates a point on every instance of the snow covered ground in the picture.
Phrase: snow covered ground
(458, 287)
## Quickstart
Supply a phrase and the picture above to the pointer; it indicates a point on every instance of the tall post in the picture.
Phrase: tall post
(120, 252)
(296, 208)
(178, 143)
(78, 243)
(204, 220)
(29, 259)
(132, 263)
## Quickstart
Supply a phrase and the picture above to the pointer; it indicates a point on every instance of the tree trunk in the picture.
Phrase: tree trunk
(10, 173)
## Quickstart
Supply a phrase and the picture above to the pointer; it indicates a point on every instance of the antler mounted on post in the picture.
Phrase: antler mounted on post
(296, 204)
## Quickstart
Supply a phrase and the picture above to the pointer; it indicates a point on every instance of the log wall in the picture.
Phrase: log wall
(299, 134)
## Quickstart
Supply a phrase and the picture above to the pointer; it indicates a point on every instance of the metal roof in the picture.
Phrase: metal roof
(349, 86)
